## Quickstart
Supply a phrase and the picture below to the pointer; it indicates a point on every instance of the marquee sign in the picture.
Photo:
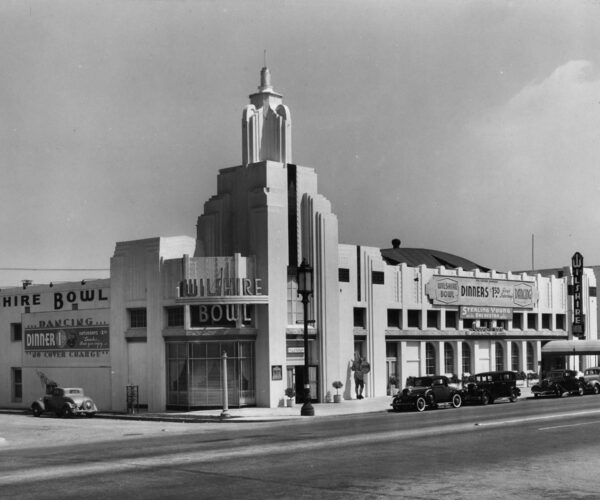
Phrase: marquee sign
(220, 280)
(459, 291)
(578, 316)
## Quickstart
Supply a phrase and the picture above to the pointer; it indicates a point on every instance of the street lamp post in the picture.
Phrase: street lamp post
(305, 289)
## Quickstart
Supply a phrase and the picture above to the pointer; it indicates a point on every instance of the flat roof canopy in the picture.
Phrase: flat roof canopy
(567, 347)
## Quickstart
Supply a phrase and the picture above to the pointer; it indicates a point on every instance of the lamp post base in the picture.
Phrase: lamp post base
(307, 410)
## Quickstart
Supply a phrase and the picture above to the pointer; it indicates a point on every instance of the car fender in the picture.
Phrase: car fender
(429, 397)
(40, 403)
(71, 404)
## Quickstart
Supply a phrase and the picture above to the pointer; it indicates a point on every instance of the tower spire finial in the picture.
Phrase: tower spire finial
(265, 58)
(265, 78)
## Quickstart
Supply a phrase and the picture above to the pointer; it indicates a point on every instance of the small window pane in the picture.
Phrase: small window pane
(137, 318)
(175, 316)
(394, 316)
(360, 317)
(16, 332)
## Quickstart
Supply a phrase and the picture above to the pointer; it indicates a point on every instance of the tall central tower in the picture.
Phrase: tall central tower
(269, 209)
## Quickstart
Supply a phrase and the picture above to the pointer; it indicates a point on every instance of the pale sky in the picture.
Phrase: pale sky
(462, 126)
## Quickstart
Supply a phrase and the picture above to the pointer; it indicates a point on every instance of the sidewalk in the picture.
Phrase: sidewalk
(251, 414)
(346, 407)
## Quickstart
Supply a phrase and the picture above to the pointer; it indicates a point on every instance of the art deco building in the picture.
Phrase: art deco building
(174, 305)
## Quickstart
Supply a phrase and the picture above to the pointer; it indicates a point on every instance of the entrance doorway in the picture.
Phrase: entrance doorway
(295, 378)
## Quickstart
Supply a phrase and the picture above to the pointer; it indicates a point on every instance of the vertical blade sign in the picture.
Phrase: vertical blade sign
(578, 316)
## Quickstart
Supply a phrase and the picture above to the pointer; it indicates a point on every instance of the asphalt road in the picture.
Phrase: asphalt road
(530, 449)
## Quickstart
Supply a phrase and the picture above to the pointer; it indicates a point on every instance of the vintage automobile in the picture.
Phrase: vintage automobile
(591, 376)
(559, 382)
(427, 392)
(64, 402)
(485, 388)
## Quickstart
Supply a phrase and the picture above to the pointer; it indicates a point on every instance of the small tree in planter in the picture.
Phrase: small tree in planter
(337, 385)
(290, 393)
(393, 384)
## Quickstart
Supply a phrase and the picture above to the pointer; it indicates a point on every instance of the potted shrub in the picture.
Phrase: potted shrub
(328, 397)
(290, 393)
(337, 385)
(393, 381)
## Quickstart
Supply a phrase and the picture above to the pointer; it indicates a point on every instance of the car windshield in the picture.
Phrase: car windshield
(73, 391)
(555, 375)
(591, 371)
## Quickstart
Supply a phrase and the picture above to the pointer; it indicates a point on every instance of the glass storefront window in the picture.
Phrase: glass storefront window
(195, 374)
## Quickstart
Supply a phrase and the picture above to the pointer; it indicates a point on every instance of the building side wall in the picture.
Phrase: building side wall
(66, 364)
(425, 328)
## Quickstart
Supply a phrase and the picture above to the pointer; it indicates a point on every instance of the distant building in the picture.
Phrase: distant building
(173, 306)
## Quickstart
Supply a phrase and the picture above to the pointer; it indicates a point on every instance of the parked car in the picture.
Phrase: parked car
(592, 379)
(559, 382)
(427, 392)
(64, 402)
(485, 388)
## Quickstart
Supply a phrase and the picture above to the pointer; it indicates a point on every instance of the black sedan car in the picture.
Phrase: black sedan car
(559, 382)
(485, 388)
(427, 392)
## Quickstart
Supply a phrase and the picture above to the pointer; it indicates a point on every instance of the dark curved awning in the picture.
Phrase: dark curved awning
(566, 347)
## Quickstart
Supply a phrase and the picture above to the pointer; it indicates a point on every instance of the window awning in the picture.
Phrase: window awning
(566, 347)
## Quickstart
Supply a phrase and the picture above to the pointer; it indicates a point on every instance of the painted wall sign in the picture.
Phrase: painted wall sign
(578, 316)
(56, 300)
(75, 335)
(456, 290)
(485, 312)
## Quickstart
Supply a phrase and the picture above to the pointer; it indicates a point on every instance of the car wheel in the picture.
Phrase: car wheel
(66, 412)
(421, 404)
(558, 392)
(580, 390)
(485, 398)
(596, 389)
(513, 396)
(456, 401)
(37, 411)
(536, 395)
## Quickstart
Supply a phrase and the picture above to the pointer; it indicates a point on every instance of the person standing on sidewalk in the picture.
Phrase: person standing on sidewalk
(360, 367)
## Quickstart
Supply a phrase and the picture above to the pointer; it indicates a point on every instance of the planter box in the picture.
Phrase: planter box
(337, 398)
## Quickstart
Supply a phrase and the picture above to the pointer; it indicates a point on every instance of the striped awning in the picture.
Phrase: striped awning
(566, 347)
